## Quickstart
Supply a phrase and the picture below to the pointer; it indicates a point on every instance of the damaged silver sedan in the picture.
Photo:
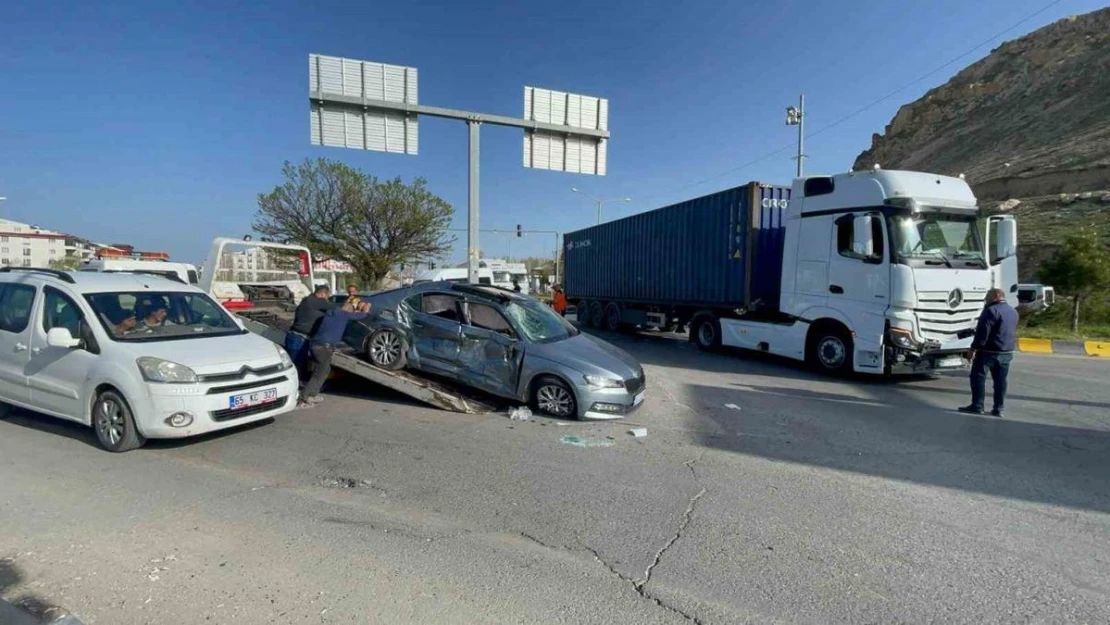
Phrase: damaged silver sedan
(500, 342)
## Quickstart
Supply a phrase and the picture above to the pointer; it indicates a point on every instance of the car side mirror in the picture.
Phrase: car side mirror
(60, 337)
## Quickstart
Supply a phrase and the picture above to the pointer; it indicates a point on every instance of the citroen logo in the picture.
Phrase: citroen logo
(955, 298)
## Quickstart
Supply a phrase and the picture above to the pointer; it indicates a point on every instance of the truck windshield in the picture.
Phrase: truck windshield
(936, 238)
(153, 316)
(538, 323)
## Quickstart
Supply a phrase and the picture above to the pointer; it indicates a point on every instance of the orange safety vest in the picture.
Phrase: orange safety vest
(559, 303)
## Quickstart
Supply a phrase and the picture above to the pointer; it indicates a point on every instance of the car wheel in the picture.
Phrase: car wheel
(597, 314)
(387, 349)
(707, 334)
(830, 351)
(612, 321)
(582, 312)
(555, 398)
(115, 424)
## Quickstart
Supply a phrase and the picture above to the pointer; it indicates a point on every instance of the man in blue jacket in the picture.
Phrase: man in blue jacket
(328, 336)
(992, 350)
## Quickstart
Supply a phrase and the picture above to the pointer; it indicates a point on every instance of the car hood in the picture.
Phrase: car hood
(217, 354)
(590, 355)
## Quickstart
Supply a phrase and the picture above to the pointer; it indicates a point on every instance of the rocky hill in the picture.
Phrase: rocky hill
(1031, 119)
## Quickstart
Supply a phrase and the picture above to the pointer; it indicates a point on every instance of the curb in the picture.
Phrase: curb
(1096, 349)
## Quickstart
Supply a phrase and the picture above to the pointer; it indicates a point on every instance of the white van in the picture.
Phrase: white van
(135, 356)
(184, 272)
(453, 274)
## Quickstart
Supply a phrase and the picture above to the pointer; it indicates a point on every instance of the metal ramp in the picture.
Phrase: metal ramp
(272, 327)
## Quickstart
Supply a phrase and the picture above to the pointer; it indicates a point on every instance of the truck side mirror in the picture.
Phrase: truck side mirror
(863, 243)
(1006, 243)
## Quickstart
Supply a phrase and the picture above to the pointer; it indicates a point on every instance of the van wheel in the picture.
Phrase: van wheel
(115, 424)
(555, 398)
(707, 334)
(585, 319)
(830, 350)
(387, 349)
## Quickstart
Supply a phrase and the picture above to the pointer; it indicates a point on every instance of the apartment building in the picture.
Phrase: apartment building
(24, 245)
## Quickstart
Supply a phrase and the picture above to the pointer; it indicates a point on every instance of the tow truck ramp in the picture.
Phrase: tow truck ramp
(417, 387)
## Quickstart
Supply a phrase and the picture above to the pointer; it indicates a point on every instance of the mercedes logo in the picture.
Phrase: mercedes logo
(955, 298)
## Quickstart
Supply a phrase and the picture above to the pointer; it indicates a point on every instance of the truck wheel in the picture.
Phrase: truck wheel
(612, 318)
(387, 350)
(585, 319)
(830, 351)
(707, 334)
(597, 312)
(114, 423)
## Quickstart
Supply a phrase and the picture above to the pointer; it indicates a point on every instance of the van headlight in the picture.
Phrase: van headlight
(164, 371)
(597, 381)
(286, 361)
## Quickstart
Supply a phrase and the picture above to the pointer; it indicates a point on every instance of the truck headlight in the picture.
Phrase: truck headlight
(286, 361)
(598, 381)
(901, 337)
(164, 371)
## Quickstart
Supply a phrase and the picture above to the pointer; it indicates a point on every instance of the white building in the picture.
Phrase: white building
(24, 245)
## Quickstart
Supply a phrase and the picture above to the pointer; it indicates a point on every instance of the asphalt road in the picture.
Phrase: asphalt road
(760, 494)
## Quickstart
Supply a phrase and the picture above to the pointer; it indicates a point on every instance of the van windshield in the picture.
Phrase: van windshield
(161, 316)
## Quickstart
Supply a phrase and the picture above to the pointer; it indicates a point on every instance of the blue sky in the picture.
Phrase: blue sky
(158, 124)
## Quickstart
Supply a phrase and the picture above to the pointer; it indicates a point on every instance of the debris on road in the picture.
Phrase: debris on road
(732, 407)
(638, 432)
(578, 441)
(342, 482)
(520, 413)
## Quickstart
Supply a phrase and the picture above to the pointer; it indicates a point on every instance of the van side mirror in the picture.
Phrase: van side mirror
(60, 337)
(863, 243)
(1006, 243)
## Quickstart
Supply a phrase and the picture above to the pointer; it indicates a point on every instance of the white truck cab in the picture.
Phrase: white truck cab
(883, 272)
(134, 356)
(183, 272)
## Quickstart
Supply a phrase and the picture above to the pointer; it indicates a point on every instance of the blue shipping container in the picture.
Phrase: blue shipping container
(719, 251)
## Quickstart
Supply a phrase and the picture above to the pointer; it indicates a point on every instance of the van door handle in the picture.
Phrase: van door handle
(20, 347)
(835, 288)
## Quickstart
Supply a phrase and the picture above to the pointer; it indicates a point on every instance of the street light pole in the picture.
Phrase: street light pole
(601, 202)
(797, 117)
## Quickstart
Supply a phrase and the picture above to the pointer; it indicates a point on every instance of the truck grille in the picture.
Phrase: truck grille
(940, 322)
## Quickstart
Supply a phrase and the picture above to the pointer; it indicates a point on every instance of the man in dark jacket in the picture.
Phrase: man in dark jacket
(329, 336)
(992, 350)
(305, 321)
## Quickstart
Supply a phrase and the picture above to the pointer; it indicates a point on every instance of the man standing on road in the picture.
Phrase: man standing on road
(559, 300)
(327, 338)
(992, 350)
(352, 295)
(305, 321)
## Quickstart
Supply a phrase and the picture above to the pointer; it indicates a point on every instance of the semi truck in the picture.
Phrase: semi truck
(879, 272)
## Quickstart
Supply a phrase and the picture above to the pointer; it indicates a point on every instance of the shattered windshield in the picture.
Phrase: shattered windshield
(147, 316)
(538, 323)
(936, 237)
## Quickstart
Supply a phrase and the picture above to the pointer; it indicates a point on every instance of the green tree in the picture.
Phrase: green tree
(341, 213)
(69, 263)
(1079, 268)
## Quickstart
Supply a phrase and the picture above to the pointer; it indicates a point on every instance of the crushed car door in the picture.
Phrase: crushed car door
(489, 352)
(436, 330)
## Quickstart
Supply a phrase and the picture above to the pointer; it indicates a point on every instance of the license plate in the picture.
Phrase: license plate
(253, 399)
(950, 362)
(639, 399)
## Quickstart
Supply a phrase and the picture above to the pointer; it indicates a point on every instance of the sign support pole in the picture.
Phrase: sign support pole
(472, 241)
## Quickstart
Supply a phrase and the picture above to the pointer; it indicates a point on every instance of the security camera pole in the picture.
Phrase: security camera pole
(797, 117)
(373, 106)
